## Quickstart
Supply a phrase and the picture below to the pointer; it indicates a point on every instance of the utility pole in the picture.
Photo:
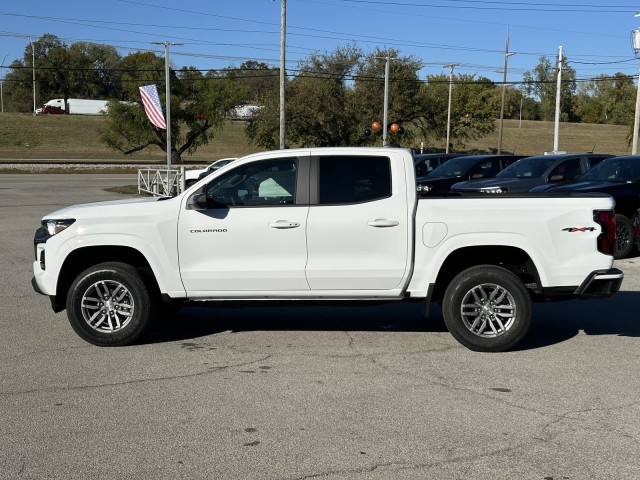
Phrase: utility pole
(556, 132)
(451, 67)
(636, 122)
(2, 81)
(33, 70)
(283, 45)
(507, 54)
(635, 44)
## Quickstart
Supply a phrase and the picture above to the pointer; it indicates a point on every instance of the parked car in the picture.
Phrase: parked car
(424, 163)
(470, 167)
(530, 172)
(192, 176)
(620, 178)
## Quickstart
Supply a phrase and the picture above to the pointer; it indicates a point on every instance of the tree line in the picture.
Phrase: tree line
(332, 98)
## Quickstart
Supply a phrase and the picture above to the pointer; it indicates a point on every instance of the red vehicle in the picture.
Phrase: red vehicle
(50, 110)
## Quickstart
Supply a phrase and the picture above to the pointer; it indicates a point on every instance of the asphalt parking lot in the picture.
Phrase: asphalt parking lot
(306, 392)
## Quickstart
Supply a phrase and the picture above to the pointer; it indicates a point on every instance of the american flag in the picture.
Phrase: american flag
(152, 107)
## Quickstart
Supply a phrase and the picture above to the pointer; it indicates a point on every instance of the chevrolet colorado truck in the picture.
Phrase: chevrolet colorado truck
(325, 225)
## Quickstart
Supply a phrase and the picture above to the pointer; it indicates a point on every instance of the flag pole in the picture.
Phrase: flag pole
(167, 102)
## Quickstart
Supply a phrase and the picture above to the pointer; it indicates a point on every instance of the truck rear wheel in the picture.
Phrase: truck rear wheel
(487, 309)
(109, 305)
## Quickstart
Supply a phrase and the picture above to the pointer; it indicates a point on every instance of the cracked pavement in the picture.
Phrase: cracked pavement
(302, 392)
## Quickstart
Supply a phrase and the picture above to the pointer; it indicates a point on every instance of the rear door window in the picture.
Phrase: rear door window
(353, 179)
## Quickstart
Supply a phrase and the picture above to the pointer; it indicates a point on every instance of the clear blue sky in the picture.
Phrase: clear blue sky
(595, 35)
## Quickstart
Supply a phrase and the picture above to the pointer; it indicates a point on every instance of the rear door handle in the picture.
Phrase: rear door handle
(382, 223)
(282, 224)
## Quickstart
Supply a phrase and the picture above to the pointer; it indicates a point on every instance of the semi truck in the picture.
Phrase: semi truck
(75, 106)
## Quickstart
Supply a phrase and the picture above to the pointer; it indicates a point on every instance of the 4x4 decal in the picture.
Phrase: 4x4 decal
(578, 229)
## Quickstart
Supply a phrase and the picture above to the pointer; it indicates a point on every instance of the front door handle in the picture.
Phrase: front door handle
(383, 223)
(282, 224)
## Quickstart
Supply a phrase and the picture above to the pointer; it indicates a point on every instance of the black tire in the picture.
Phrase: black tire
(624, 237)
(487, 309)
(109, 305)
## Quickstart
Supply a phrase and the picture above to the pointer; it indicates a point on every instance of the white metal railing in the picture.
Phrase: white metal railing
(160, 182)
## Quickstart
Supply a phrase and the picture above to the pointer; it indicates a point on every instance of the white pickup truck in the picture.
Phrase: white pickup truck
(336, 224)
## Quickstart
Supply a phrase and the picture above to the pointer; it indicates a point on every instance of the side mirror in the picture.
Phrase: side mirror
(197, 201)
(556, 178)
(476, 176)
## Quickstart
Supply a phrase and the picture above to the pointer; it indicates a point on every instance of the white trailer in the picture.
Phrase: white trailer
(79, 106)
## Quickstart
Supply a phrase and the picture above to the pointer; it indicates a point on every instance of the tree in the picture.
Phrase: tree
(473, 113)
(405, 101)
(607, 99)
(336, 96)
(318, 104)
(94, 71)
(541, 83)
(83, 70)
(199, 105)
(258, 79)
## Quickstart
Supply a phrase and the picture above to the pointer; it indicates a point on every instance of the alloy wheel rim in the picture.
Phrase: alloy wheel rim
(488, 310)
(107, 306)
(623, 238)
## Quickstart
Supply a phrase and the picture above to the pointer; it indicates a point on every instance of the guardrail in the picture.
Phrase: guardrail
(161, 182)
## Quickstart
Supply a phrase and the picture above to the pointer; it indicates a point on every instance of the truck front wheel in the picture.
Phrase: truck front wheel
(109, 305)
(487, 309)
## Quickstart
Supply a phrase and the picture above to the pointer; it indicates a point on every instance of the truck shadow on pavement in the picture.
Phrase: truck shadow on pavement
(559, 321)
(553, 322)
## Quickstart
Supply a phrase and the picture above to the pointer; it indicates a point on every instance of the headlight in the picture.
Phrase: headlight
(54, 227)
(494, 190)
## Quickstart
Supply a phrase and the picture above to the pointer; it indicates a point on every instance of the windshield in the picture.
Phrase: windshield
(455, 167)
(531, 167)
(619, 169)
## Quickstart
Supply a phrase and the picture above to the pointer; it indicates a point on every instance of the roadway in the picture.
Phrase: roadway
(306, 392)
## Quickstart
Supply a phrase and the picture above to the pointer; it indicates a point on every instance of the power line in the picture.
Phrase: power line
(502, 6)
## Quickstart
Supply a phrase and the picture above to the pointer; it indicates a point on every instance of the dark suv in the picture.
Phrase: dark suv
(424, 163)
(530, 172)
(471, 167)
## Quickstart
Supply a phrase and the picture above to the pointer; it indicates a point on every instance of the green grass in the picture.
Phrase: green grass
(535, 138)
(24, 136)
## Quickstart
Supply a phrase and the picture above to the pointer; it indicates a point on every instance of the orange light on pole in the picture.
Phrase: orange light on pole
(395, 128)
(375, 126)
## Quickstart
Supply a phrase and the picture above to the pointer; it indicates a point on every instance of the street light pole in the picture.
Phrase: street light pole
(507, 54)
(556, 132)
(451, 66)
(33, 70)
(2, 82)
(385, 114)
